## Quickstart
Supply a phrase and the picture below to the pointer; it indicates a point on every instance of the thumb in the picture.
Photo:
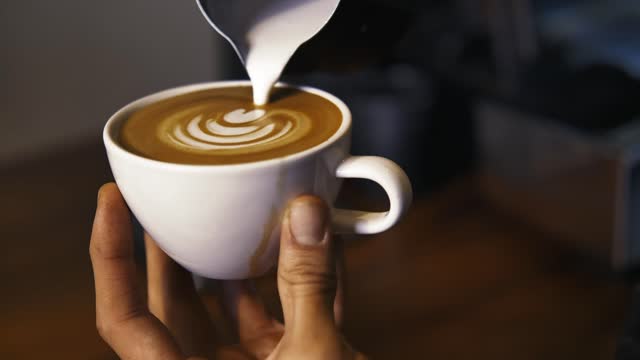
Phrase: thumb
(306, 268)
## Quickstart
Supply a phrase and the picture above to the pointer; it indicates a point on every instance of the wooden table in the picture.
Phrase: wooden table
(456, 279)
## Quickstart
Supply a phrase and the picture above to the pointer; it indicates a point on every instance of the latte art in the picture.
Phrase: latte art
(223, 126)
(239, 129)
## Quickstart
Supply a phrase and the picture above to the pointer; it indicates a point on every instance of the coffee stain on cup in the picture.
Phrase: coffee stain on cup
(274, 219)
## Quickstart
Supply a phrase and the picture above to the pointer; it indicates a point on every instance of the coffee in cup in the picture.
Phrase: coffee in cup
(223, 126)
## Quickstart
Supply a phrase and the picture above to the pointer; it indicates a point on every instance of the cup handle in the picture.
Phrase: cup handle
(393, 180)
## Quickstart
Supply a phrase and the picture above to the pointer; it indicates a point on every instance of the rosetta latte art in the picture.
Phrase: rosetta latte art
(222, 125)
(237, 131)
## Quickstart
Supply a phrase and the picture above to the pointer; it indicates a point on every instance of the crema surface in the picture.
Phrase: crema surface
(223, 126)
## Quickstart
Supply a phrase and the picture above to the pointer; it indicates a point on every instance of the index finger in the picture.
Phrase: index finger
(122, 317)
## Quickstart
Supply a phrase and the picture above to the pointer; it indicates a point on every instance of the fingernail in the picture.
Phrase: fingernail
(99, 194)
(307, 222)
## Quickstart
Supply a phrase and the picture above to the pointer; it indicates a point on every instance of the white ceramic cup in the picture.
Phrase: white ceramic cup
(223, 221)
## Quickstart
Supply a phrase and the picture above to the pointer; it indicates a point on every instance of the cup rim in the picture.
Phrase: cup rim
(123, 113)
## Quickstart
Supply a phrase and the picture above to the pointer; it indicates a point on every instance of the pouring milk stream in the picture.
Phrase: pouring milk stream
(266, 33)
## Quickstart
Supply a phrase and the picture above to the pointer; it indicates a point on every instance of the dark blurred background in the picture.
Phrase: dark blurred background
(518, 122)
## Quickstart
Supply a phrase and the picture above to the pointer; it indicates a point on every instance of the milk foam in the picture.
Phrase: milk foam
(275, 35)
(238, 131)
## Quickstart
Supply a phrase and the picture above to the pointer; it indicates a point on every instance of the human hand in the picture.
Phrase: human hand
(174, 323)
